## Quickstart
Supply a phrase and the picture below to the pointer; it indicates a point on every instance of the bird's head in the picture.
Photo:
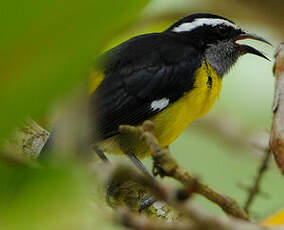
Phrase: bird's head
(216, 37)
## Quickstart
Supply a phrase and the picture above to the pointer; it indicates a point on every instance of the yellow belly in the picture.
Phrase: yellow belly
(195, 104)
(172, 121)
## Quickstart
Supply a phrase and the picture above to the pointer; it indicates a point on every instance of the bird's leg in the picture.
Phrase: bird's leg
(149, 201)
(111, 188)
(100, 154)
(140, 165)
(145, 204)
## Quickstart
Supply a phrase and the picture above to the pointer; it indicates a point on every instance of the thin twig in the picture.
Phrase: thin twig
(255, 189)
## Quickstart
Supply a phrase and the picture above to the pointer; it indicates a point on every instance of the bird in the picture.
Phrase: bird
(171, 78)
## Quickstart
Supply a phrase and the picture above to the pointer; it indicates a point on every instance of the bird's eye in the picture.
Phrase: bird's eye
(221, 28)
(224, 31)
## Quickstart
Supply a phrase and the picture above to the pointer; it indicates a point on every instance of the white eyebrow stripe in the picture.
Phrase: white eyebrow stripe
(188, 26)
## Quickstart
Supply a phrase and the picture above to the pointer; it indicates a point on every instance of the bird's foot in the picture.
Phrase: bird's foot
(130, 193)
(145, 204)
(158, 170)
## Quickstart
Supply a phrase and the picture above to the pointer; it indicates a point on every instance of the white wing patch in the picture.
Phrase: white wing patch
(188, 26)
(160, 104)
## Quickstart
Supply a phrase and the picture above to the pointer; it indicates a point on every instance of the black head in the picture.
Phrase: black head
(216, 37)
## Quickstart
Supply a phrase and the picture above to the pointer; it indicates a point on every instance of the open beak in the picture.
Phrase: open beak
(249, 49)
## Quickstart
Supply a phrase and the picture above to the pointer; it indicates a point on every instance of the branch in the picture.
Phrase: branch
(255, 189)
(28, 140)
(277, 132)
(32, 137)
(206, 221)
(200, 220)
(193, 218)
(129, 188)
(166, 165)
(140, 222)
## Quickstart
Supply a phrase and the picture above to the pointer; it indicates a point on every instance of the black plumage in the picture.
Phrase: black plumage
(137, 72)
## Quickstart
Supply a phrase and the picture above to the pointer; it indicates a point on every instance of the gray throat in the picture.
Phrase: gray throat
(222, 56)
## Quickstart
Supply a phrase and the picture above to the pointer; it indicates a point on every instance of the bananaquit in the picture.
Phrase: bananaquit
(171, 78)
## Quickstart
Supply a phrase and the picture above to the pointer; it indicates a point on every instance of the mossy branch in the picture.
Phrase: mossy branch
(166, 165)
(171, 212)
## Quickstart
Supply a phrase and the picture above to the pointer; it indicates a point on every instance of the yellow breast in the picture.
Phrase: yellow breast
(172, 121)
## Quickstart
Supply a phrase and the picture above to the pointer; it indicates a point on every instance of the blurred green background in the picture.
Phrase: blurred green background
(47, 50)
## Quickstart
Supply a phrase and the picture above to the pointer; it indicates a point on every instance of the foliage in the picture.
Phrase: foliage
(47, 48)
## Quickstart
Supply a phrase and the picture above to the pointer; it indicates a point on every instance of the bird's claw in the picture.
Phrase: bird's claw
(145, 204)
(159, 171)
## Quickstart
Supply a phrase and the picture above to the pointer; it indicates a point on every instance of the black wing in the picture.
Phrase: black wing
(142, 70)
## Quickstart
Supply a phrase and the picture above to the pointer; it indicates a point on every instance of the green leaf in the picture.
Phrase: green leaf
(48, 47)
(43, 198)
